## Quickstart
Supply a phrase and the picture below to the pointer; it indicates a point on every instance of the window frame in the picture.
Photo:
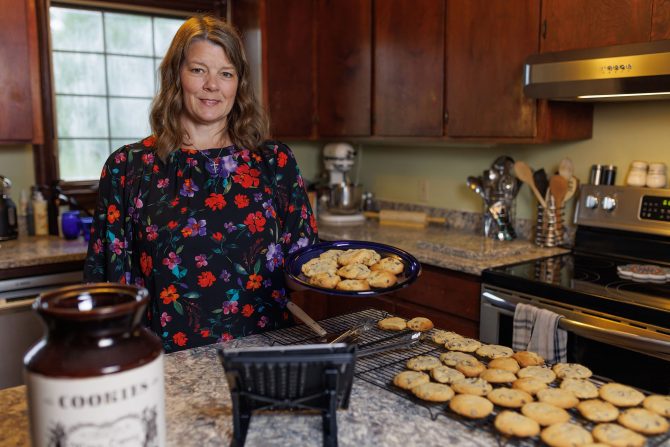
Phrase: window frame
(45, 155)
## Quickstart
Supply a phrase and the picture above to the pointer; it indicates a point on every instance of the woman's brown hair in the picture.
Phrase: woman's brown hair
(247, 123)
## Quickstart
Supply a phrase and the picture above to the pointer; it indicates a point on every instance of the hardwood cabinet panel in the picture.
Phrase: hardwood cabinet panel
(487, 44)
(344, 71)
(289, 59)
(448, 291)
(20, 117)
(660, 20)
(573, 24)
(409, 68)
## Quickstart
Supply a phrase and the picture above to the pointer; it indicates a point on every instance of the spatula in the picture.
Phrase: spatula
(525, 174)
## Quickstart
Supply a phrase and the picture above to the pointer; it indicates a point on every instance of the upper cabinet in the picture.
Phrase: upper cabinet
(660, 20)
(487, 43)
(20, 110)
(409, 68)
(344, 67)
(576, 24)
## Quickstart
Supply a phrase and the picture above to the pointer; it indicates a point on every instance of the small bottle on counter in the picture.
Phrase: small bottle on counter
(30, 216)
(41, 214)
(107, 385)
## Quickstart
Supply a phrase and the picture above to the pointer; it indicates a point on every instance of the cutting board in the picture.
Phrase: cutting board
(406, 219)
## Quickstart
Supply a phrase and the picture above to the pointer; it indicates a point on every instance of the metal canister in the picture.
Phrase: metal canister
(608, 175)
(596, 175)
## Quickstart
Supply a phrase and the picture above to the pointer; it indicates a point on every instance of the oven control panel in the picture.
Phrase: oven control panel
(644, 210)
(655, 208)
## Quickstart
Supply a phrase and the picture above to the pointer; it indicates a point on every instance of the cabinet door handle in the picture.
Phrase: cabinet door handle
(446, 117)
(544, 29)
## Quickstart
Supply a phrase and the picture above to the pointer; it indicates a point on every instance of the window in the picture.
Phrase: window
(105, 67)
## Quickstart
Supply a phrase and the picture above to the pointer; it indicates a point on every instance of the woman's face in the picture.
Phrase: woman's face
(209, 84)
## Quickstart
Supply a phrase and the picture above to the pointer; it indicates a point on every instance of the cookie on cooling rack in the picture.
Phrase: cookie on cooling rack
(616, 435)
(472, 385)
(658, 404)
(528, 358)
(392, 324)
(558, 397)
(596, 410)
(505, 363)
(539, 372)
(471, 406)
(423, 363)
(470, 367)
(462, 344)
(509, 397)
(530, 385)
(421, 324)
(565, 434)
(582, 389)
(512, 423)
(444, 374)
(494, 375)
(409, 379)
(571, 371)
(620, 395)
(544, 413)
(453, 357)
(643, 421)
(433, 392)
(441, 337)
(494, 351)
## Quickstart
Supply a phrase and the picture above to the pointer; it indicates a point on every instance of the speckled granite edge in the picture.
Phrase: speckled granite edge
(40, 250)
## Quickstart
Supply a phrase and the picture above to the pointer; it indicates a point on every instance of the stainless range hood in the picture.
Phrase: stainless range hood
(617, 73)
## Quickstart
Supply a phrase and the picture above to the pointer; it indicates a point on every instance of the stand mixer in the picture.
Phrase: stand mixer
(342, 198)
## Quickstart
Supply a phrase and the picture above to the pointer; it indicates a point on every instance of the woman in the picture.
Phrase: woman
(204, 212)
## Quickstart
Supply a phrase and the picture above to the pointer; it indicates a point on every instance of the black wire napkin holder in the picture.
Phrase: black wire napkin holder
(306, 377)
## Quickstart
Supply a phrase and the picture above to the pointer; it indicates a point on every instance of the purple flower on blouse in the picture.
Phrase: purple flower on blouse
(302, 242)
(172, 260)
(269, 210)
(221, 166)
(197, 227)
(163, 182)
(274, 256)
(152, 232)
(225, 275)
(230, 307)
(165, 319)
(267, 283)
(258, 197)
(230, 227)
(188, 188)
(116, 245)
(201, 261)
(263, 321)
(286, 238)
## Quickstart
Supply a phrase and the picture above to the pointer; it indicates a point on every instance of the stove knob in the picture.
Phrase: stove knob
(609, 203)
(591, 202)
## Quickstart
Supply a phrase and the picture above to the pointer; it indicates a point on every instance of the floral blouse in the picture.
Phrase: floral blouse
(206, 232)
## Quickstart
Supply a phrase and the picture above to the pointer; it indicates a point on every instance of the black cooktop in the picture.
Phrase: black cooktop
(588, 281)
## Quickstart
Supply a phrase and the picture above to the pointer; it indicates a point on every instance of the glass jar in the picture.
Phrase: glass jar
(656, 175)
(637, 175)
(97, 376)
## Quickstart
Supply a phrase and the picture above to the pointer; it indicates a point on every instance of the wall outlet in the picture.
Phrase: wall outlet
(423, 190)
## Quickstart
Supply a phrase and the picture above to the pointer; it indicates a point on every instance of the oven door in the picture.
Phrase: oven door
(613, 348)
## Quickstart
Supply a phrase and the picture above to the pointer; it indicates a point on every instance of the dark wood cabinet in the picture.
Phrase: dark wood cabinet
(487, 44)
(660, 20)
(449, 298)
(344, 67)
(409, 68)
(574, 24)
(289, 65)
(20, 110)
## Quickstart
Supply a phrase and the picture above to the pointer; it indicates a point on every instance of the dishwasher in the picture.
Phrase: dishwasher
(20, 327)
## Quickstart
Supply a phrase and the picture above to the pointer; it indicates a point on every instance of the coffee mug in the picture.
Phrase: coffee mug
(86, 222)
(70, 224)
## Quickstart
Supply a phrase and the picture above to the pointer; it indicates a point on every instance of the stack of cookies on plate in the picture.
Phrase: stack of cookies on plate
(560, 403)
(352, 270)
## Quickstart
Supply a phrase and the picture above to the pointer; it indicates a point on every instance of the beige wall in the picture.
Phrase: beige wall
(621, 133)
(16, 163)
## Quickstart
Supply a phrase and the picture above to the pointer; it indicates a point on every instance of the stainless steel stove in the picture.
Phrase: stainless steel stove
(613, 289)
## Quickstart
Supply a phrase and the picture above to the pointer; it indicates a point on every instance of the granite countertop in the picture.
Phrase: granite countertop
(39, 250)
(199, 410)
(439, 246)
(455, 249)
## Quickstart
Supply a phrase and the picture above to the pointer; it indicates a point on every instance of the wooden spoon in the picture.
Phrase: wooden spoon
(573, 184)
(566, 168)
(558, 186)
(523, 172)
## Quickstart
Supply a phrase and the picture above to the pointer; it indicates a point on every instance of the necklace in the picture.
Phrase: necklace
(213, 164)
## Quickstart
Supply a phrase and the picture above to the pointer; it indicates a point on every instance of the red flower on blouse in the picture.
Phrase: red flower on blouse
(255, 222)
(113, 214)
(246, 176)
(254, 282)
(217, 236)
(215, 201)
(206, 279)
(179, 339)
(169, 294)
(186, 231)
(172, 224)
(146, 263)
(241, 201)
(247, 310)
(149, 141)
(282, 159)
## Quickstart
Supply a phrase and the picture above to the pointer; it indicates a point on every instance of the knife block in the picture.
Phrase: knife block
(307, 377)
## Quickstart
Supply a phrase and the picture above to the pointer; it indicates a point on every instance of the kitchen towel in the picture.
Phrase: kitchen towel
(537, 330)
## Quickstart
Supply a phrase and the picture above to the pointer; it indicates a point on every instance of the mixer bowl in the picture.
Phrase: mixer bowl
(345, 198)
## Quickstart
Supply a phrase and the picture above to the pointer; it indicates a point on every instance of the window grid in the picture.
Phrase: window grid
(110, 138)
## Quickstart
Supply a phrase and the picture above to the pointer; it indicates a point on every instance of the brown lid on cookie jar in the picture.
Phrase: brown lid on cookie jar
(92, 329)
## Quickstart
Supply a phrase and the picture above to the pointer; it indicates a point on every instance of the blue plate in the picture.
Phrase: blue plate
(297, 281)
